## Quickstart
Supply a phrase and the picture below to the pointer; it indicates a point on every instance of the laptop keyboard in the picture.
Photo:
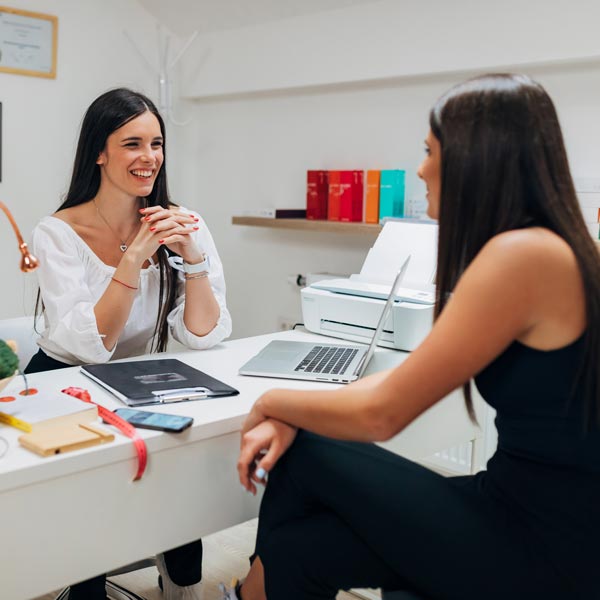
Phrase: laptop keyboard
(327, 359)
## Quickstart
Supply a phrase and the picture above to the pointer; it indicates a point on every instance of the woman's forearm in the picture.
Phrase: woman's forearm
(349, 413)
(113, 308)
(201, 311)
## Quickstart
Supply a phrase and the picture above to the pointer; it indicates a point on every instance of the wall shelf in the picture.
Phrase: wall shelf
(309, 225)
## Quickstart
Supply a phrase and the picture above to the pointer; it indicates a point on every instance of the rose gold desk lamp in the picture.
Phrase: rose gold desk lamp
(28, 261)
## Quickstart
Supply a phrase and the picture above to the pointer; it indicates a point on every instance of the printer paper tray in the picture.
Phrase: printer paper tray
(356, 333)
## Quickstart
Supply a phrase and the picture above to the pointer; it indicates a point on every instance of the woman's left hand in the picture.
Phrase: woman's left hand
(261, 448)
(173, 228)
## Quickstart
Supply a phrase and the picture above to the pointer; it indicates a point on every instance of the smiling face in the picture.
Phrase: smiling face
(430, 171)
(132, 157)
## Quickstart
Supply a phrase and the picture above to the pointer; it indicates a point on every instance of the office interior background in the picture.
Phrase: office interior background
(269, 89)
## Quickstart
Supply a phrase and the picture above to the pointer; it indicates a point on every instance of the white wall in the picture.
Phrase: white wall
(41, 117)
(265, 113)
(391, 38)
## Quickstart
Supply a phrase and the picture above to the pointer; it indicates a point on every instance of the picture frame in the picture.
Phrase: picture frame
(28, 42)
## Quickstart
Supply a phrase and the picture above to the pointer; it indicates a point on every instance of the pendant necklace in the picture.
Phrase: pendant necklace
(124, 244)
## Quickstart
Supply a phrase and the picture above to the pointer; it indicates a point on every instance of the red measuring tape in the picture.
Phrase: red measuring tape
(123, 426)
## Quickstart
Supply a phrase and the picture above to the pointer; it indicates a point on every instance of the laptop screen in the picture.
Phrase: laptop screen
(384, 314)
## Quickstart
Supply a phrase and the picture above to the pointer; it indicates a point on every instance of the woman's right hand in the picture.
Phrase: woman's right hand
(261, 448)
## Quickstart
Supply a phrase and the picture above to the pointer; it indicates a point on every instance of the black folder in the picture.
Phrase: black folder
(156, 381)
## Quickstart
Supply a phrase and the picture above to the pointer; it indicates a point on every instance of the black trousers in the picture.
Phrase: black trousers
(338, 515)
(184, 564)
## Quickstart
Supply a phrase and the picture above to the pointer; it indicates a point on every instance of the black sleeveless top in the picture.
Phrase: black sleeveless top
(547, 466)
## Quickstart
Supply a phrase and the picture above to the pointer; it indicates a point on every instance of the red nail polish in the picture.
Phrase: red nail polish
(142, 210)
(146, 218)
(196, 219)
(196, 228)
(161, 241)
(152, 228)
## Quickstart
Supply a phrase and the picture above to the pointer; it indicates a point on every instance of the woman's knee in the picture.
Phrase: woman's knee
(305, 451)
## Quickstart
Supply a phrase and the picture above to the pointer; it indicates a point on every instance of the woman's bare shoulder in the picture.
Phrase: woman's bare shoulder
(542, 271)
(529, 264)
(530, 248)
(76, 216)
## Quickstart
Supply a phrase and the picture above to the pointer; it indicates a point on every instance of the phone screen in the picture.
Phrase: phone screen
(151, 420)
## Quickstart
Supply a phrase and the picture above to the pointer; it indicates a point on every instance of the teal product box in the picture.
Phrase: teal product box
(391, 193)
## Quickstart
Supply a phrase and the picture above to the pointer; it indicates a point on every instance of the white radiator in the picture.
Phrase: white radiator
(456, 460)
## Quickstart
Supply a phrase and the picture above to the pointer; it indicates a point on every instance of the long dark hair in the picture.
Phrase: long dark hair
(106, 114)
(504, 166)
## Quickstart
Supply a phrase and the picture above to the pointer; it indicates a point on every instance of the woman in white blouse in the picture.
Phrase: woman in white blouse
(121, 267)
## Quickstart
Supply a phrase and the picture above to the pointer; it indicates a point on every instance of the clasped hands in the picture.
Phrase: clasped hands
(169, 227)
(264, 441)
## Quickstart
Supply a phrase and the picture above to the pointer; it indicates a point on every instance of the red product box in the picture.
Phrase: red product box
(317, 192)
(351, 196)
(333, 202)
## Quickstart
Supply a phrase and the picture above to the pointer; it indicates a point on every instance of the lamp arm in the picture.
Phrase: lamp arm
(28, 261)
(12, 222)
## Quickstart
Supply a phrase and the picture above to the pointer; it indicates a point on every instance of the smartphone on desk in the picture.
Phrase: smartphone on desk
(145, 419)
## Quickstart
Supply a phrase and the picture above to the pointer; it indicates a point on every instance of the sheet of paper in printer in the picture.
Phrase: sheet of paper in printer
(396, 241)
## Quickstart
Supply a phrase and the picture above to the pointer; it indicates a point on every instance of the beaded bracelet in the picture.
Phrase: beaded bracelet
(200, 275)
(123, 283)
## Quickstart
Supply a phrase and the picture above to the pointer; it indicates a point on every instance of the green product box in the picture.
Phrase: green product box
(391, 193)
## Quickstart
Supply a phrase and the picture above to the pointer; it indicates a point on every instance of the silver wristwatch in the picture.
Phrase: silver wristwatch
(201, 267)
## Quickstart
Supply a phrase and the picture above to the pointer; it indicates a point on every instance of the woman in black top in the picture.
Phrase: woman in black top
(518, 310)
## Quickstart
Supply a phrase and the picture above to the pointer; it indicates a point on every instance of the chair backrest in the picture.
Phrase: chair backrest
(21, 330)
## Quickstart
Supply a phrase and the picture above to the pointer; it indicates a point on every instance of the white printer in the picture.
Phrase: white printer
(350, 308)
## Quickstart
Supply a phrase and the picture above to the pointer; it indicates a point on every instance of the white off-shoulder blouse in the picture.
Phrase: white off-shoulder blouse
(72, 279)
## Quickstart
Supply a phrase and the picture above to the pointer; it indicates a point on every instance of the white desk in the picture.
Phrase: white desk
(69, 517)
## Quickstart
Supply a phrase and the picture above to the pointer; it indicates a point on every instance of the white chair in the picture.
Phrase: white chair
(21, 329)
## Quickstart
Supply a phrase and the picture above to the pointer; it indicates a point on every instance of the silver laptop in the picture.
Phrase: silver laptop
(320, 362)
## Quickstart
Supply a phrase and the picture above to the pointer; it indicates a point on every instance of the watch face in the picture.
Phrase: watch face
(198, 267)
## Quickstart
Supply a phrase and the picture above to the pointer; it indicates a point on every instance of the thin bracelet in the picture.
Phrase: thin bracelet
(201, 275)
(125, 284)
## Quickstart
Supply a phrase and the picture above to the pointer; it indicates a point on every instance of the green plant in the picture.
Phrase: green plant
(9, 361)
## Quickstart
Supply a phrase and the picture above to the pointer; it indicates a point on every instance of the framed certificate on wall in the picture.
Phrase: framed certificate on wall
(28, 42)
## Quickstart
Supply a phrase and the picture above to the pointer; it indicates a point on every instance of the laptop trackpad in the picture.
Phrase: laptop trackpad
(284, 351)
(283, 355)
